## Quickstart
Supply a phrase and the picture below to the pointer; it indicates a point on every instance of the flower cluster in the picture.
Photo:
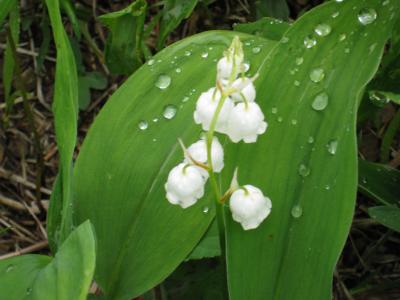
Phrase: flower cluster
(228, 108)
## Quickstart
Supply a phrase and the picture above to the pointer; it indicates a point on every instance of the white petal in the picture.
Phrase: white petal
(198, 151)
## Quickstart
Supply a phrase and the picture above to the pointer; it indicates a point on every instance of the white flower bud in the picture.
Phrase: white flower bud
(246, 122)
(185, 185)
(198, 151)
(228, 67)
(205, 109)
(249, 206)
(245, 88)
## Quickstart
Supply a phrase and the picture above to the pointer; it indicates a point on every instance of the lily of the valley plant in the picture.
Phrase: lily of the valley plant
(228, 108)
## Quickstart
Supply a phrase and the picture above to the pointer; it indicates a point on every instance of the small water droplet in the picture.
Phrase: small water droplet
(317, 75)
(163, 81)
(342, 37)
(332, 146)
(9, 268)
(299, 61)
(320, 101)
(143, 125)
(335, 14)
(323, 29)
(155, 120)
(205, 209)
(29, 291)
(204, 54)
(274, 110)
(169, 111)
(364, 180)
(187, 53)
(296, 83)
(386, 2)
(285, 39)
(367, 16)
(246, 66)
(309, 41)
(310, 139)
(256, 50)
(296, 211)
(327, 187)
(347, 50)
(185, 99)
(294, 122)
(280, 119)
(178, 70)
(304, 171)
(339, 0)
(154, 140)
(372, 48)
(151, 62)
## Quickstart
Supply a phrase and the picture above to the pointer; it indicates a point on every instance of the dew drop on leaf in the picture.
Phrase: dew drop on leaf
(327, 187)
(285, 39)
(317, 75)
(155, 120)
(304, 171)
(323, 29)
(169, 111)
(178, 70)
(163, 81)
(296, 211)
(280, 119)
(143, 125)
(335, 14)
(185, 99)
(332, 146)
(187, 53)
(204, 54)
(205, 209)
(386, 2)
(9, 268)
(29, 291)
(310, 139)
(309, 41)
(151, 62)
(342, 37)
(274, 110)
(294, 122)
(256, 50)
(367, 16)
(296, 83)
(299, 61)
(320, 101)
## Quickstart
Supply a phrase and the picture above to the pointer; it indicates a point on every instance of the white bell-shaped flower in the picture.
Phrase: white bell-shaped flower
(198, 152)
(246, 122)
(245, 90)
(229, 67)
(185, 185)
(249, 206)
(205, 109)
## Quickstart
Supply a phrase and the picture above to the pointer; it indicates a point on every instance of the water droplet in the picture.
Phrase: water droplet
(367, 16)
(309, 41)
(280, 119)
(185, 99)
(342, 37)
(335, 14)
(285, 39)
(178, 70)
(304, 171)
(339, 0)
(364, 180)
(204, 54)
(169, 111)
(205, 209)
(332, 146)
(323, 29)
(372, 48)
(299, 61)
(274, 110)
(256, 50)
(297, 83)
(327, 187)
(10, 268)
(187, 53)
(386, 2)
(347, 50)
(151, 62)
(317, 75)
(310, 139)
(294, 122)
(320, 101)
(163, 81)
(29, 291)
(155, 120)
(154, 140)
(246, 66)
(296, 211)
(143, 125)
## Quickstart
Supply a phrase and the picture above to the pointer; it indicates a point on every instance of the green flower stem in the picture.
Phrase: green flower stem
(218, 205)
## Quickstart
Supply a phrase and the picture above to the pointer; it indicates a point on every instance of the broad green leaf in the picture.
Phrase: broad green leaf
(66, 276)
(268, 28)
(9, 63)
(388, 216)
(306, 162)
(121, 169)
(6, 7)
(272, 8)
(380, 182)
(123, 49)
(174, 12)
(65, 109)
(208, 245)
